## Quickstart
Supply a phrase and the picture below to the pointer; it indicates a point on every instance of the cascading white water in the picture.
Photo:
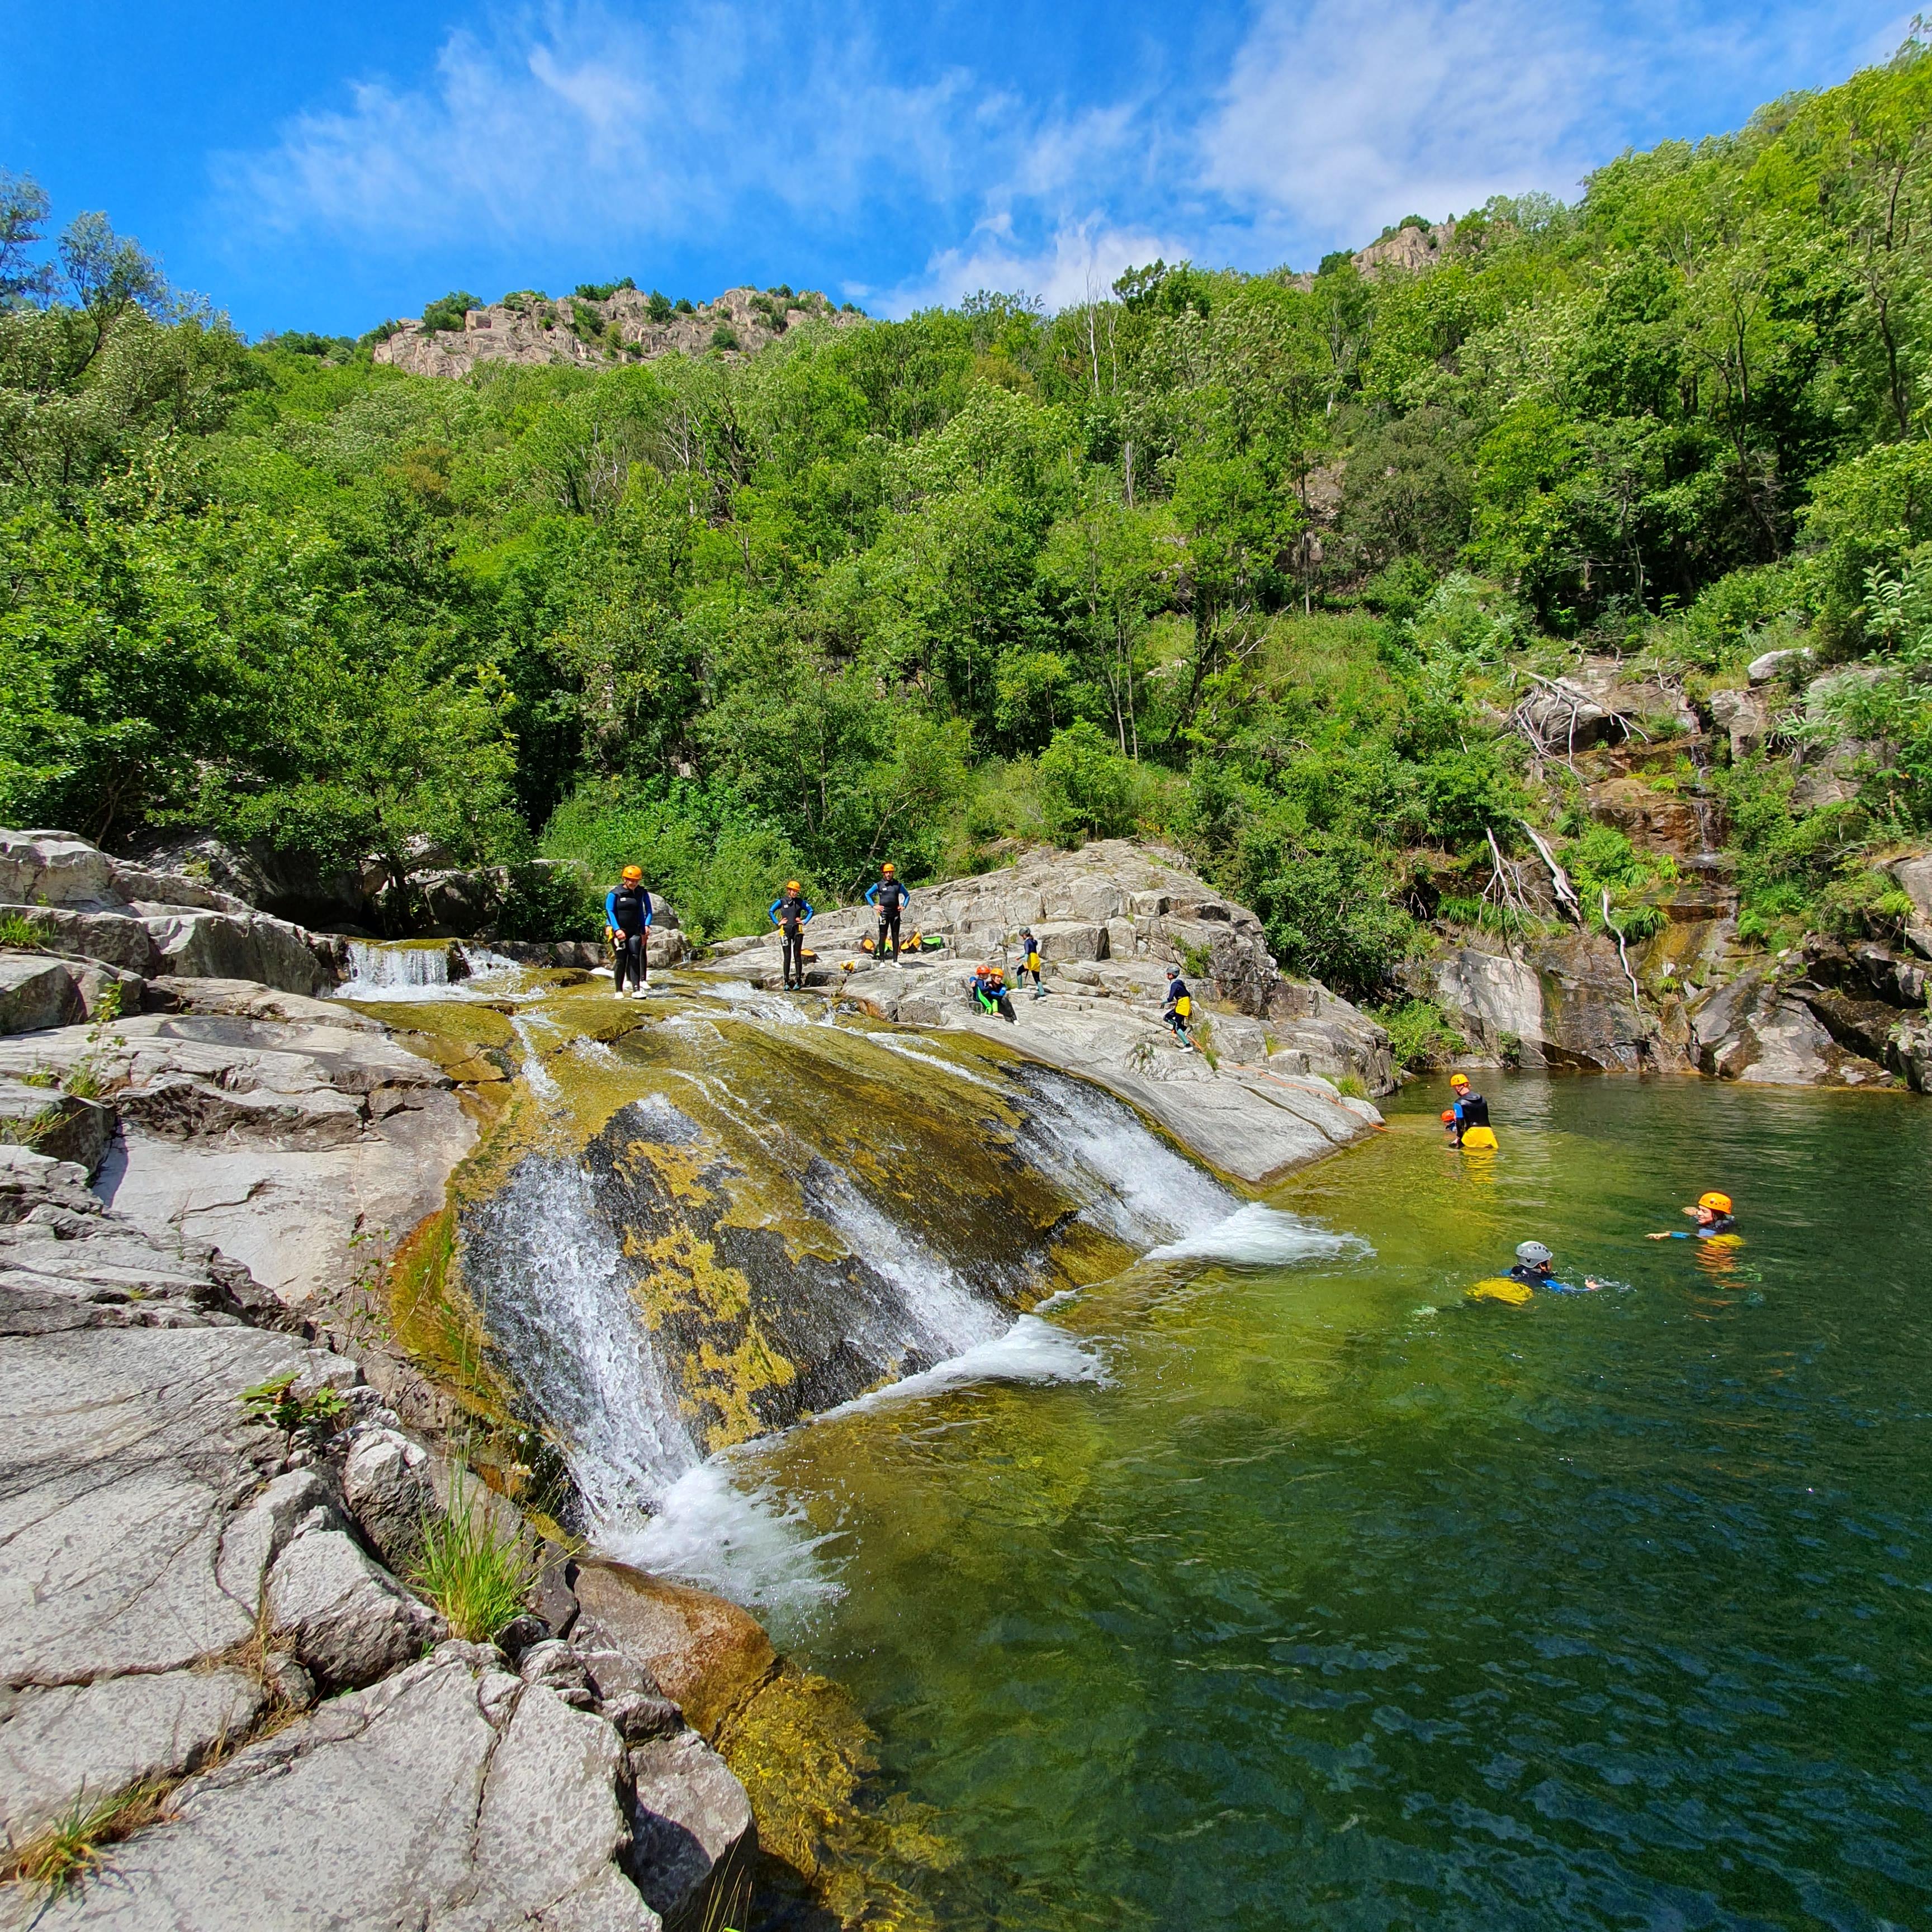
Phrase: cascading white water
(378, 971)
(557, 1304)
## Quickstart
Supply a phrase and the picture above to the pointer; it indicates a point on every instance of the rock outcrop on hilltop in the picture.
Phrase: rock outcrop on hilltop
(586, 334)
(1111, 919)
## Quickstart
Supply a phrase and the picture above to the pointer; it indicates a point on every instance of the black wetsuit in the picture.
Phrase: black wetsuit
(629, 909)
(1177, 991)
(1471, 1111)
(791, 913)
(887, 898)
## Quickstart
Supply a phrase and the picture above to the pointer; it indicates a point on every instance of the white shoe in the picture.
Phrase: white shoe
(618, 994)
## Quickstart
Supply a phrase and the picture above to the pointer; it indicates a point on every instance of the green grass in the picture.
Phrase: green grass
(20, 934)
(61, 1856)
(476, 1574)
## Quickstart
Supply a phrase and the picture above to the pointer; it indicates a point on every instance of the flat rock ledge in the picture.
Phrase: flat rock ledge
(1110, 920)
(196, 1606)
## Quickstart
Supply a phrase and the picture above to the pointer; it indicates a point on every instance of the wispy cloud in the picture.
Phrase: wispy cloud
(918, 176)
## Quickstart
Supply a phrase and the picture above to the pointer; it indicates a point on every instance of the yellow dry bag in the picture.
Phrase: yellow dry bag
(1479, 1140)
(1184, 1006)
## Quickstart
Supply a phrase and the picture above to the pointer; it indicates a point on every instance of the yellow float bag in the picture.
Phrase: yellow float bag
(1184, 1006)
(1479, 1139)
(1033, 962)
(1500, 1288)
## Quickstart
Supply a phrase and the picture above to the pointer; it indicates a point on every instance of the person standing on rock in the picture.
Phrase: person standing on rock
(888, 898)
(790, 912)
(1177, 1007)
(1030, 962)
(627, 917)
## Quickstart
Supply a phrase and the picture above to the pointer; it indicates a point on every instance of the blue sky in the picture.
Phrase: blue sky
(311, 165)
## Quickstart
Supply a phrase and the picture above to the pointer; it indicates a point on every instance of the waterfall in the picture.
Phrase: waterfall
(375, 969)
(822, 1214)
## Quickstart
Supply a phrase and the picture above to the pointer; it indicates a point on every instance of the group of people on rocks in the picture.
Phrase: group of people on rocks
(628, 914)
(1466, 1125)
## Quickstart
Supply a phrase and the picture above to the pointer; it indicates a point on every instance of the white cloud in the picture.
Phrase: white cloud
(1335, 113)
(1079, 263)
(579, 122)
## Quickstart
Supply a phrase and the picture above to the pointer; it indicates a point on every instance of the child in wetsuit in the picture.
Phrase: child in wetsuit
(1030, 962)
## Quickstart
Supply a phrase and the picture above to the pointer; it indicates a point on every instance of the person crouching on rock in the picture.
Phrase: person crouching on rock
(627, 916)
(989, 992)
(1470, 1125)
(1030, 962)
(790, 912)
(888, 898)
(1178, 1008)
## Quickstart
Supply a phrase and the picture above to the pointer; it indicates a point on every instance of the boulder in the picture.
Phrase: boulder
(1744, 717)
(691, 1822)
(348, 1621)
(60, 1742)
(1772, 665)
(1754, 1028)
(386, 1482)
(232, 946)
(451, 1795)
(118, 938)
(708, 1655)
(66, 1126)
(36, 991)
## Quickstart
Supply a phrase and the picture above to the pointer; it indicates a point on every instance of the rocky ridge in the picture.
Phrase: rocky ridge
(577, 330)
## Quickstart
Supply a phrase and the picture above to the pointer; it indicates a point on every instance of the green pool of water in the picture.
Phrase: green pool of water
(1345, 1603)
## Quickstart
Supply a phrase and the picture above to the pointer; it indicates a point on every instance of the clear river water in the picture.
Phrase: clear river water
(1307, 1593)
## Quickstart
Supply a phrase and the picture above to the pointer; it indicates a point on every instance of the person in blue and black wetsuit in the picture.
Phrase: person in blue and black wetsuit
(627, 915)
(790, 912)
(888, 898)
(1713, 1215)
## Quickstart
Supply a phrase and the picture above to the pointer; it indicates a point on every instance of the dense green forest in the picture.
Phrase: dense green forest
(912, 589)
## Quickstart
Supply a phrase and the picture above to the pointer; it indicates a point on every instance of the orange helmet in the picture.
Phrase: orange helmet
(887, 869)
(791, 885)
(633, 875)
(1448, 1117)
(1459, 1080)
(1718, 1204)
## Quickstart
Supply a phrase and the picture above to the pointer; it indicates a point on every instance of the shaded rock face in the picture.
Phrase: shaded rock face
(587, 334)
(118, 919)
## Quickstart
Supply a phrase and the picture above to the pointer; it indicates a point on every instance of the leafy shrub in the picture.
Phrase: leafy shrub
(1086, 786)
(551, 901)
(317, 1415)
(724, 336)
(1420, 1036)
(448, 313)
(1328, 915)
(600, 291)
(683, 307)
(658, 307)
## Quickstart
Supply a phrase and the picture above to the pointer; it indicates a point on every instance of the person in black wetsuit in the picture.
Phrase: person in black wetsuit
(888, 898)
(1030, 962)
(1176, 1009)
(791, 914)
(627, 913)
(1471, 1109)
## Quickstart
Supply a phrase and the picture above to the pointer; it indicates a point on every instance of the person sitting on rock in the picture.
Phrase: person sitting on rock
(1177, 1008)
(627, 917)
(888, 898)
(791, 913)
(1030, 962)
(1470, 1126)
(988, 984)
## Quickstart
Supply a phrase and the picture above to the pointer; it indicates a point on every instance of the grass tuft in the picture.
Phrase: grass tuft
(476, 1574)
(21, 934)
(61, 1856)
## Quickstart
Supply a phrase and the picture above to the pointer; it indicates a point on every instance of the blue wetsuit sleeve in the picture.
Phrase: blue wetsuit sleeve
(872, 894)
(808, 912)
(647, 909)
(1681, 1235)
(610, 908)
(772, 910)
(1559, 1287)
